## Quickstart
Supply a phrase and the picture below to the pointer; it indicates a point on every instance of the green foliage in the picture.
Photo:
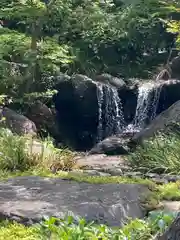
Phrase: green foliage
(169, 191)
(23, 153)
(160, 154)
(15, 231)
(174, 23)
(67, 229)
(15, 58)
(43, 37)
(12, 154)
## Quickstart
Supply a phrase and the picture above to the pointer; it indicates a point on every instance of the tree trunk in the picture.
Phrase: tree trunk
(173, 232)
(31, 76)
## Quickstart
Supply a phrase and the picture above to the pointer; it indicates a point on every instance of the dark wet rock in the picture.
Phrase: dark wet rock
(128, 95)
(169, 94)
(111, 146)
(171, 178)
(163, 122)
(17, 123)
(175, 67)
(77, 111)
(28, 199)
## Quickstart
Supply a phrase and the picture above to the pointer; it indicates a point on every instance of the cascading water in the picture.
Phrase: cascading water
(147, 102)
(157, 92)
(143, 104)
(111, 120)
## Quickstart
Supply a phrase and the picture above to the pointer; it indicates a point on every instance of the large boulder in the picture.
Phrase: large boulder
(114, 145)
(17, 123)
(28, 199)
(44, 118)
(77, 111)
(162, 122)
(175, 67)
(169, 94)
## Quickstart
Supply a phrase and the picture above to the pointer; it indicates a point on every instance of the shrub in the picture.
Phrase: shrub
(22, 153)
(160, 154)
(12, 152)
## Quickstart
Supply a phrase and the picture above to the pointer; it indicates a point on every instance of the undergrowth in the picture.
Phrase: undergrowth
(20, 153)
(160, 154)
(71, 228)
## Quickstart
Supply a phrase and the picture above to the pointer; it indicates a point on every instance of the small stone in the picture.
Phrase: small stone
(171, 178)
(114, 171)
(152, 175)
(133, 174)
(159, 180)
(103, 174)
(92, 173)
(172, 206)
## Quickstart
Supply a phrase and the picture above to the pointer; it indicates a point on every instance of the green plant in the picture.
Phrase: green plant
(169, 191)
(48, 157)
(69, 228)
(160, 154)
(20, 153)
(12, 154)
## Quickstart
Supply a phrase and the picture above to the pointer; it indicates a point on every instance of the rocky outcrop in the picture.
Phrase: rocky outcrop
(169, 94)
(110, 80)
(175, 67)
(44, 119)
(89, 111)
(163, 121)
(17, 123)
(29, 199)
(77, 111)
(114, 145)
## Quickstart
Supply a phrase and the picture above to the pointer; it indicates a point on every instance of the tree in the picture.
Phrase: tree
(39, 52)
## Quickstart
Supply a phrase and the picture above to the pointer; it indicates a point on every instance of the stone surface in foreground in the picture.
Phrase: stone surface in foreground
(28, 199)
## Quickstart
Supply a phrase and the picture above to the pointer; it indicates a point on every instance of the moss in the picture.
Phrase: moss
(79, 177)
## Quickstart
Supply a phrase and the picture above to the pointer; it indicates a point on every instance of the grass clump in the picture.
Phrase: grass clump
(20, 153)
(160, 154)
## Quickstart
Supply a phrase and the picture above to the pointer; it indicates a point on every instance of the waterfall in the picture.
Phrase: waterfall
(110, 114)
(143, 104)
(111, 120)
(157, 92)
(147, 102)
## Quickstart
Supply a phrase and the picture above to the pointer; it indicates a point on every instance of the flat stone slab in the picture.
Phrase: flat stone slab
(100, 161)
(29, 199)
